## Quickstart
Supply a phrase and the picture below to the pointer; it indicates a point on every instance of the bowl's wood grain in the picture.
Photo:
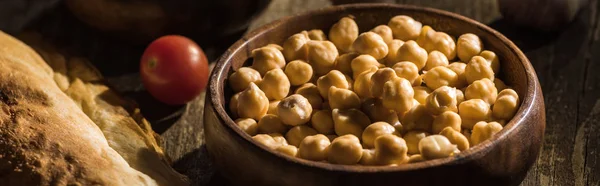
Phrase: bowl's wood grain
(503, 160)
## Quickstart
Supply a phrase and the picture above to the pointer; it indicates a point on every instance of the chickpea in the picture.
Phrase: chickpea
(478, 68)
(368, 157)
(506, 105)
(298, 72)
(294, 47)
(241, 78)
(345, 150)
(311, 93)
(233, 105)
(254, 102)
(379, 78)
(459, 69)
(393, 47)
(472, 111)
(362, 64)
(424, 35)
(483, 131)
(431, 40)
(289, 150)
(294, 110)
(279, 139)
(273, 107)
(500, 85)
(343, 99)
(447, 119)
(333, 78)
(408, 71)
(314, 147)
(271, 124)
(405, 27)
(456, 138)
(436, 146)
(398, 95)
(492, 59)
(343, 63)
(351, 121)
(482, 89)
(362, 85)
(275, 84)
(321, 55)
(435, 59)
(421, 93)
(343, 33)
(441, 100)
(375, 130)
(440, 76)
(411, 51)
(350, 82)
(248, 125)
(417, 118)
(266, 140)
(467, 46)
(372, 44)
(385, 32)
(317, 34)
(412, 139)
(296, 134)
(460, 97)
(416, 158)
(322, 122)
(374, 108)
(266, 59)
(390, 149)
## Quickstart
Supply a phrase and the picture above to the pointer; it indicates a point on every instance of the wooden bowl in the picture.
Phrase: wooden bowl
(503, 160)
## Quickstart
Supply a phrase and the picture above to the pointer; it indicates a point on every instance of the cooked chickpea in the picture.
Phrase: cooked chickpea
(273, 107)
(368, 157)
(351, 121)
(345, 150)
(322, 122)
(440, 76)
(411, 51)
(343, 33)
(254, 102)
(275, 84)
(379, 78)
(233, 105)
(404, 27)
(398, 95)
(298, 72)
(321, 56)
(372, 44)
(412, 139)
(271, 124)
(408, 71)
(417, 118)
(279, 139)
(385, 32)
(294, 47)
(362, 85)
(483, 131)
(500, 85)
(363, 63)
(266, 140)
(467, 46)
(333, 78)
(240, 79)
(456, 138)
(375, 130)
(314, 147)
(436, 146)
(492, 59)
(424, 35)
(431, 40)
(374, 108)
(248, 125)
(459, 69)
(421, 93)
(311, 93)
(296, 134)
(350, 82)
(294, 110)
(344, 63)
(447, 119)
(478, 68)
(483, 89)
(393, 46)
(289, 150)
(317, 34)
(460, 96)
(266, 59)
(390, 149)
(435, 59)
(416, 158)
(506, 105)
(343, 99)
(473, 111)
(441, 100)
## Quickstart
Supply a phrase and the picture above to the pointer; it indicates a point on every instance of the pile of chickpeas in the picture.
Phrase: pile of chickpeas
(388, 96)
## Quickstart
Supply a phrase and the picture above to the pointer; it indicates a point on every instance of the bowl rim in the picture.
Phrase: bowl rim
(221, 70)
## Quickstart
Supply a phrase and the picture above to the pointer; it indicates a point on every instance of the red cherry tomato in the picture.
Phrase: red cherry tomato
(174, 69)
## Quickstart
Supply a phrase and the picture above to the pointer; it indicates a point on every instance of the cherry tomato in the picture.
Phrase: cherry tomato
(174, 69)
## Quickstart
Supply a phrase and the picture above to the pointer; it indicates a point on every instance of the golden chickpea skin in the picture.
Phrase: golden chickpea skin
(416, 158)
(233, 105)
(440, 76)
(289, 150)
(368, 157)
(240, 79)
(266, 59)
(294, 47)
(447, 119)
(248, 125)
(398, 95)
(467, 46)
(500, 85)
(390, 149)
(345, 150)
(408, 71)
(412, 139)
(411, 51)
(459, 69)
(351, 121)
(344, 63)
(343, 33)
(425, 35)
(362, 85)
(460, 96)
(421, 93)
(279, 139)
(266, 140)
(506, 105)
(492, 59)
(298, 72)
(385, 32)
(294, 110)
(436, 146)
(321, 55)
(317, 34)
(478, 68)
(440, 41)
(375, 130)
(343, 99)
(374, 108)
(379, 78)
(372, 44)
(455, 137)
(363, 63)
(404, 27)
(322, 122)
(296, 134)
(472, 111)
(483, 131)
(311, 93)
(275, 84)
(333, 78)
(314, 147)
(417, 118)
(273, 107)
(441, 100)
(393, 46)
(271, 124)
(252, 103)
(482, 89)
(435, 59)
